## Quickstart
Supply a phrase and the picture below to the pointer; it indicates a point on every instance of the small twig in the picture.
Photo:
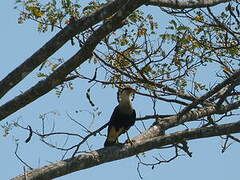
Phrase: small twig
(157, 116)
(185, 148)
(216, 89)
(86, 129)
(138, 170)
(158, 161)
(86, 137)
(226, 145)
(30, 134)
(24, 172)
(234, 138)
(64, 155)
(16, 150)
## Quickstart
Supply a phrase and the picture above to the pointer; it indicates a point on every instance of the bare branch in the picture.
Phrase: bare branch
(20, 159)
(210, 93)
(165, 123)
(87, 137)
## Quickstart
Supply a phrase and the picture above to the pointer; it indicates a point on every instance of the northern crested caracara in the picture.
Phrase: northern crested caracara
(123, 117)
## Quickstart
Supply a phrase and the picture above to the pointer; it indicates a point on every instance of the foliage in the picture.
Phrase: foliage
(163, 62)
(48, 15)
(144, 53)
(170, 56)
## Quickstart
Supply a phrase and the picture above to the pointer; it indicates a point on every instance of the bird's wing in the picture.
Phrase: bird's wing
(113, 131)
(114, 116)
(133, 117)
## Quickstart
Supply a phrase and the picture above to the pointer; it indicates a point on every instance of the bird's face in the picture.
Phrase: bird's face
(126, 94)
(128, 91)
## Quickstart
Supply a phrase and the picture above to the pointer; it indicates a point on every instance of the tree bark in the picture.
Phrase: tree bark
(48, 49)
(175, 4)
(57, 77)
(109, 154)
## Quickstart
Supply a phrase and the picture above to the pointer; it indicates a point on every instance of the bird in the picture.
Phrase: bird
(123, 117)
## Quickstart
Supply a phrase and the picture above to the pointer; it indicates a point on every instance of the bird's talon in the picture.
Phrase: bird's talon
(131, 141)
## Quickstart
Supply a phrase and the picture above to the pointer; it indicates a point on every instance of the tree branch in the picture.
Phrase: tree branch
(58, 76)
(176, 4)
(56, 43)
(112, 153)
(163, 124)
(217, 88)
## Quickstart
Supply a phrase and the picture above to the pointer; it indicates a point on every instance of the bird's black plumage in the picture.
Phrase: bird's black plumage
(119, 123)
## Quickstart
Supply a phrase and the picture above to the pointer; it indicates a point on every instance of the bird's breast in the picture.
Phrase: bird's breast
(126, 110)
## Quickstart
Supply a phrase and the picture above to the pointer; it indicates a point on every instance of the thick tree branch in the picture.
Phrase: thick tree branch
(109, 154)
(165, 123)
(57, 77)
(55, 43)
(176, 4)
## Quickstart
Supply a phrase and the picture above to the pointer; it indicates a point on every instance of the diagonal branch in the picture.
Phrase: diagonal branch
(56, 43)
(109, 154)
(166, 123)
(217, 88)
(57, 77)
(176, 4)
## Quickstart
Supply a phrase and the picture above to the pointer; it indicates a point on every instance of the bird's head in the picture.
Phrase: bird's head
(128, 90)
(126, 93)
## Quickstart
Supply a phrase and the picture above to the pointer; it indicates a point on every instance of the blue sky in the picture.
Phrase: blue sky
(19, 41)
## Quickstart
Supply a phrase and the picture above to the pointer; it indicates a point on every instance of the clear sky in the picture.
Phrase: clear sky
(19, 42)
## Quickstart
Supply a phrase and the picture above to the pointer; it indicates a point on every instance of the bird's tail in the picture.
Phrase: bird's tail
(113, 134)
